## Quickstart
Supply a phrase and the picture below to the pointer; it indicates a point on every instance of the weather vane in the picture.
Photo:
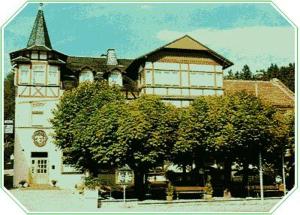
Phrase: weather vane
(41, 6)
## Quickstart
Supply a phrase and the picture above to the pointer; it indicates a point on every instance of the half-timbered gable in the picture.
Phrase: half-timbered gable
(180, 71)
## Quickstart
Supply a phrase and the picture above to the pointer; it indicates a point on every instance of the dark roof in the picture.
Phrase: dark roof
(39, 35)
(188, 43)
(21, 59)
(272, 92)
(96, 64)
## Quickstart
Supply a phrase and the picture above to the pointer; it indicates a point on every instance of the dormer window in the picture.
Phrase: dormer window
(43, 55)
(86, 75)
(115, 78)
(34, 55)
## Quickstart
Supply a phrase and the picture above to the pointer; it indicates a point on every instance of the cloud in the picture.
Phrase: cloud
(257, 46)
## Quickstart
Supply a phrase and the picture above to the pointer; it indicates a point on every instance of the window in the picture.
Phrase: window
(200, 67)
(43, 55)
(185, 103)
(34, 55)
(174, 92)
(219, 68)
(161, 91)
(38, 74)
(162, 65)
(166, 78)
(184, 78)
(219, 92)
(24, 75)
(196, 92)
(148, 65)
(209, 92)
(115, 78)
(148, 77)
(53, 75)
(202, 79)
(86, 75)
(219, 80)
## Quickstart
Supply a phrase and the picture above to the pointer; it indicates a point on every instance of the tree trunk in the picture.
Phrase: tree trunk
(245, 179)
(227, 174)
(139, 185)
(184, 173)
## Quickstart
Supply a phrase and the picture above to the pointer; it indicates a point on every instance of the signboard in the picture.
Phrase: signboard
(124, 176)
(8, 126)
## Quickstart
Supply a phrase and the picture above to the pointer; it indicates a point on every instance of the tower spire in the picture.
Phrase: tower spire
(39, 35)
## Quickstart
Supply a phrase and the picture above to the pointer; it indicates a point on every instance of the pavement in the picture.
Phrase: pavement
(71, 201)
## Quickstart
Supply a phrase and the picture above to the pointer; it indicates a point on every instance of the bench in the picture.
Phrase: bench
(189, 190)
(266, 188)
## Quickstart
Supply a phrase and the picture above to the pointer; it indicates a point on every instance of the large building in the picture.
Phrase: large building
(178, 72)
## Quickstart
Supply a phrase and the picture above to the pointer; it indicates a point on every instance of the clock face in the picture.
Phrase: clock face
(39, 138)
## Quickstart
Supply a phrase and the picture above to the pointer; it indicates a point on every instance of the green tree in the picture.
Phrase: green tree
(246, 73)
(191, 145)
(232, 128)
(73, 117)
(283, 143)
(248, 129)
(9, 113)
(145, 131)
(230, 75)
(9, 97)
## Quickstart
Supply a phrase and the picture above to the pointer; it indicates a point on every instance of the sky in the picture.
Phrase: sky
(253, 33)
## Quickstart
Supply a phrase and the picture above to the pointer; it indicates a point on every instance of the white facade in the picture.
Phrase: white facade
(37, 160)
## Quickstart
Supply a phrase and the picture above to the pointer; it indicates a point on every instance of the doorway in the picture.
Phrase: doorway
(39, 168)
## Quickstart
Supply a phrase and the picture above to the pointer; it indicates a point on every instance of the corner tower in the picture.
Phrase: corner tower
(38, 88)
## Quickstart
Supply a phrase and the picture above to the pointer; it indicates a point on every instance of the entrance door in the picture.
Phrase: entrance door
(39, 170)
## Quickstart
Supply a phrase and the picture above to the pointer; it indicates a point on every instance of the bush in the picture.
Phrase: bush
(170, 190)
(92, 183)
(22, 183)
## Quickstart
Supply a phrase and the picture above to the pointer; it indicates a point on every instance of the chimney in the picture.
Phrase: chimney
(111, 57)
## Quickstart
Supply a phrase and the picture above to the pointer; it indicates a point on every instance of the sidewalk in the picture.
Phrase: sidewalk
(69, 201)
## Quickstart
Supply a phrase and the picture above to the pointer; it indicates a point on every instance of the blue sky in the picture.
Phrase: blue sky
(253, 34)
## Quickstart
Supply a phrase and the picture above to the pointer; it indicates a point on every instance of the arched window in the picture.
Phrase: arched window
(115, 77)
(86, 75)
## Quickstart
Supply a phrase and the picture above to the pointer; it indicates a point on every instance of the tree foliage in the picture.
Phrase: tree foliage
(97, 129)
(72, 120)
(9, 97)
(9, 113)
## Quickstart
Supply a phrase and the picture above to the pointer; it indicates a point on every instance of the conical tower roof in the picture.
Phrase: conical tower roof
(39, 35)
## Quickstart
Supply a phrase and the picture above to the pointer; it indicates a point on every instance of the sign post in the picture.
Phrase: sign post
(124, 177)
(124, 193)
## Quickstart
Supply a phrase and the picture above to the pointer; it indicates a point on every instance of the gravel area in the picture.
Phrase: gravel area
(70, 201)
